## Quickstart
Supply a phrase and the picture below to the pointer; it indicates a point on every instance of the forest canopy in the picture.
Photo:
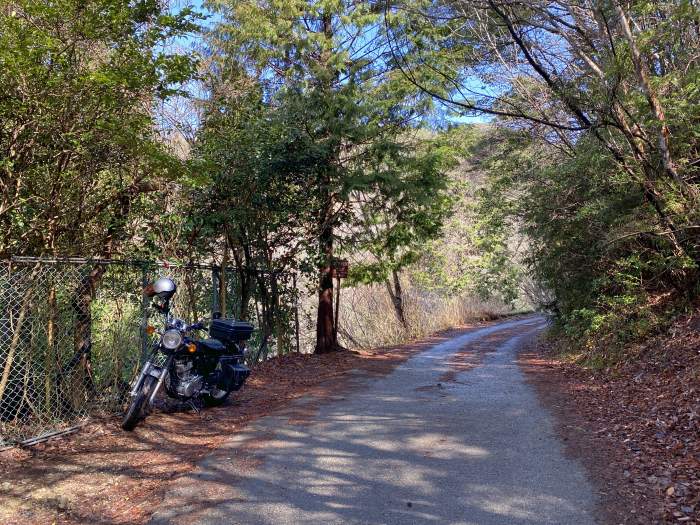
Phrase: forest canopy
(542, 153)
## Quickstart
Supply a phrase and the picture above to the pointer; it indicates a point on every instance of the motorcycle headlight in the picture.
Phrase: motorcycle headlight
(171, 339)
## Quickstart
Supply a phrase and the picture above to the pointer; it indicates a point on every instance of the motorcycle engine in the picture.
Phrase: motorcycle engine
(187, 383)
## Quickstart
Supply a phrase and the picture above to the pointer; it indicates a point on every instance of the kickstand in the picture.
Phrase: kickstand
(193, 406)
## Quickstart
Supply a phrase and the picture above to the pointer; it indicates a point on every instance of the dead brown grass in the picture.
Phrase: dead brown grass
(368, 320)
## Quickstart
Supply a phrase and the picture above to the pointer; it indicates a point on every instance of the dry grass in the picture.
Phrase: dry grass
(368, 320)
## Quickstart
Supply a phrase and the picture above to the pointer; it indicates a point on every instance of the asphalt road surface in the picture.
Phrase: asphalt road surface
(407, 448)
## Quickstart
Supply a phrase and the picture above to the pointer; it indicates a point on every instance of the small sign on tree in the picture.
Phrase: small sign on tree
(339, 268)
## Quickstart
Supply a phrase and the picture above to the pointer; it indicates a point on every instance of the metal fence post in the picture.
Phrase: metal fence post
(296, 310)
(215, 283)
(144, 314)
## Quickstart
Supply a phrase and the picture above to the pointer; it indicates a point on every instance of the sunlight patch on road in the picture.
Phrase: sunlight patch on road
(505, 503)
(440, 446)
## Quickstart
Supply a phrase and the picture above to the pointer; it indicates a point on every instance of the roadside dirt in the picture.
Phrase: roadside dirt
(636, 428)
(102, 475)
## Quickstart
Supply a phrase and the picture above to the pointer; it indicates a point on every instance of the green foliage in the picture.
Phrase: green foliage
(78, 148)
(341, 113)
(311, 142)
(407, 211)
(596, 166)
(592, 243)
(477, 252)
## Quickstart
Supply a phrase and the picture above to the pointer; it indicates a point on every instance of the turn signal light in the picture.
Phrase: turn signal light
(150, 330)
(191, 348)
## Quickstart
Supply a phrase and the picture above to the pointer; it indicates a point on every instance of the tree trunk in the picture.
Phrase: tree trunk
(192, 310)
(326, 337)
(279, 322)
(326, 340)
(18, 313)
(396, 294)
(336, 323)
(79, 385)
(16, 331)
(223, 282)
(663, 132)
(51, 363)
(266, 317)
(243, 267)
(82, 303)
(244, 298)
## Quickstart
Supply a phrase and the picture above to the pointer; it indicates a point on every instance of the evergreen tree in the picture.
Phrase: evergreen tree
(325, 72)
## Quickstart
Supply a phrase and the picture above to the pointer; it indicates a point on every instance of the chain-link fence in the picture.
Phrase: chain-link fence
(72, 332)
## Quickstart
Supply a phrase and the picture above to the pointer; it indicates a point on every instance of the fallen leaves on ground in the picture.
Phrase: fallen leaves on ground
(636, 427)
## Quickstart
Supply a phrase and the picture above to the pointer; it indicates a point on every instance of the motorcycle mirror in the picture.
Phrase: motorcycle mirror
(164, 288)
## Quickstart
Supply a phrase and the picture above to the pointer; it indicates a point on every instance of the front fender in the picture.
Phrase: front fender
(149, 369)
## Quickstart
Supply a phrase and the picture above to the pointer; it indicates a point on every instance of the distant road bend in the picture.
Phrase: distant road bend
(409, 448)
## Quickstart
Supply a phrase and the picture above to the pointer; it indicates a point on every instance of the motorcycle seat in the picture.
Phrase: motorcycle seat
(212, 345)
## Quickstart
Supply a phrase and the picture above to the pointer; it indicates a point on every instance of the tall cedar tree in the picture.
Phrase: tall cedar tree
(325, 69)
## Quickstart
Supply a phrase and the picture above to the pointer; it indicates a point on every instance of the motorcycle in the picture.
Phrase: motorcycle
(207, 369)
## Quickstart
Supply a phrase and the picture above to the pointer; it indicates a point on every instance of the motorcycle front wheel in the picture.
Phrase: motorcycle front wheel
(137, 407)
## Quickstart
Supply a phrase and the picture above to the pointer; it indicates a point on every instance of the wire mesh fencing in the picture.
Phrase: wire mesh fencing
(73, 333)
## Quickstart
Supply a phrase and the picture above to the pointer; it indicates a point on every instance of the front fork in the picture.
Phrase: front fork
(151, 369)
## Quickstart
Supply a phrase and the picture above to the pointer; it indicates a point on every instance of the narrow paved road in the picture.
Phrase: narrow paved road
(409, 448)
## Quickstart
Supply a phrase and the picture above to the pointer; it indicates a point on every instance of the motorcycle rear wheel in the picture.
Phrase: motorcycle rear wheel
(137, 407)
